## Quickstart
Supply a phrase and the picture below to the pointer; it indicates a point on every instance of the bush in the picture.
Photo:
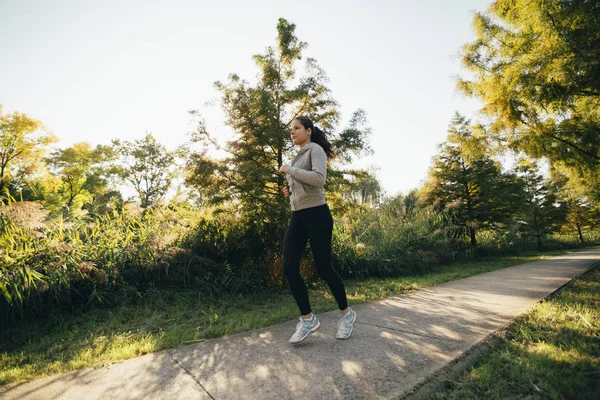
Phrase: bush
(119, 256)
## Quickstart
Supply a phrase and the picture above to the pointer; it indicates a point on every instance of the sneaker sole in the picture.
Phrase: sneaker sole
(316, 328)
(348, 337)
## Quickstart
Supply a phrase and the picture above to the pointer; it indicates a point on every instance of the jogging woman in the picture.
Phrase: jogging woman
(311, 221)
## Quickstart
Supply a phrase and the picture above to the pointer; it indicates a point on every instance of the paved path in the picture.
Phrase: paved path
(397, 343)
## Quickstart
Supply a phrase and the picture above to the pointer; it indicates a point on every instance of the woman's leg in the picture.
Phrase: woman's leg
(320, 230)
(294, 244)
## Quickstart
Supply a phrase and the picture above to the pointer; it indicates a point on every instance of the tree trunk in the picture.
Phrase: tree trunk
(467, 193)
(2, 180)
(580, 234)
(473, 241)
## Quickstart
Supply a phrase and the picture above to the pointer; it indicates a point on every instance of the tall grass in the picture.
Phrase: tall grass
(377, 245)
(86, 262)
(114, 258)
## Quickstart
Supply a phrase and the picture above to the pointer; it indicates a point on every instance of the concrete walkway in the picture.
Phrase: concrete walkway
(397, 343)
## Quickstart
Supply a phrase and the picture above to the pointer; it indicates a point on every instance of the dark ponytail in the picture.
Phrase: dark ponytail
(317, 136)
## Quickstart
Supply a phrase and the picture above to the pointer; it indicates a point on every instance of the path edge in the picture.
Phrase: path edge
(427, 387)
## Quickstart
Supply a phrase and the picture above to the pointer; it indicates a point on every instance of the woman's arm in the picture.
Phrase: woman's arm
(318, 174)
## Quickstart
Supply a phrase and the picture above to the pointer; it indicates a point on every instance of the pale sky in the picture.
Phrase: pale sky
(97, 70)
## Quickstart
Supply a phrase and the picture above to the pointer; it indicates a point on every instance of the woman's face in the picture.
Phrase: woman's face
(300, 135)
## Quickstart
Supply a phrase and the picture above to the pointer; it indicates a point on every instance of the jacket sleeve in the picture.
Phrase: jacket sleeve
(317, 175)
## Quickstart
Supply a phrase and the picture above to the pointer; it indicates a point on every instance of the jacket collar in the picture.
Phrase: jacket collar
(305, 148)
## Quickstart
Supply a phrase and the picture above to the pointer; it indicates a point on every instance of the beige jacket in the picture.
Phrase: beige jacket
(306, 177)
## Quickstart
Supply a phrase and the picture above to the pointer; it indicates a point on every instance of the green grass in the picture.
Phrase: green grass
(168, 318)
(551, 353)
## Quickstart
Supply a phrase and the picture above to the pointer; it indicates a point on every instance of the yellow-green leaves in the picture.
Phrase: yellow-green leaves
(23, 145)
(536, 67)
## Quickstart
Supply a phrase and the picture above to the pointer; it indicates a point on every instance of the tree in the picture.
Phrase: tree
(401, 208)
(541, 213)
(465, 182)
(148, 166)
(42, 185)
(582, 217)
(261, 116)
(536, 67)
(83, 170)
(367, 189)
(22, 147)
(579, 199)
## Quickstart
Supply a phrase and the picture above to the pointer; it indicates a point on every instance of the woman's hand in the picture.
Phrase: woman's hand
(286, 191)
(284, 169)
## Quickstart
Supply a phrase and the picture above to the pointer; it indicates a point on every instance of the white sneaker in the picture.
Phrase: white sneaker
(346, 324)
(304, 328)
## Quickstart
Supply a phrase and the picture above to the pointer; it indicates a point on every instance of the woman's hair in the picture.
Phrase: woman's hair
(317, 136)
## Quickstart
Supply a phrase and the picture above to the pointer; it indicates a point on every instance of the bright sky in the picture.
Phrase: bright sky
(97, 70)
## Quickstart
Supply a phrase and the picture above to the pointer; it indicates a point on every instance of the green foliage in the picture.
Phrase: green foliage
(84, 173)
(260, 117)
(350, 188)
(540, 213)
(398, 238)
(114, 257)
(247, 178)
(22, 148)
(581, 201)
(147, 165)
(536, 67)
(469, 185)
(66, 264)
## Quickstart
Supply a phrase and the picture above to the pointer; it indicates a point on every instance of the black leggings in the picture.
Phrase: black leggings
(315, 224)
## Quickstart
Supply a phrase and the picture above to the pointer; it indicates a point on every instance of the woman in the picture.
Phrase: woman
(311, 220)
